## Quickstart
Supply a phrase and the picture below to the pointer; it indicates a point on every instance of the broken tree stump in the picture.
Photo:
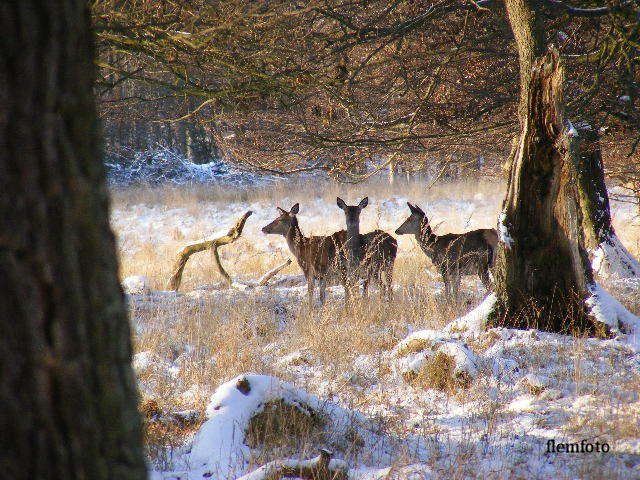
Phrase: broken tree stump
(199, 245)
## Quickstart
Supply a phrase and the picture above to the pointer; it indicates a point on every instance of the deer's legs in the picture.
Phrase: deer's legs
(455, 286)
(388, 283)
(323, 287)
(310, 286)
(483, 273)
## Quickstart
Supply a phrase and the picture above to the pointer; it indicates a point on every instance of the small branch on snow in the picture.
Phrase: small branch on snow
(321, 467)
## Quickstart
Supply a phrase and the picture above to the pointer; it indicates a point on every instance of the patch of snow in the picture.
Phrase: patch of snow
(466, 361)
(474, 321)
(219, 448)
(503, 231)
(571, 130)
(612, 260)
(420, 340)
(136, 285)
(612, 313)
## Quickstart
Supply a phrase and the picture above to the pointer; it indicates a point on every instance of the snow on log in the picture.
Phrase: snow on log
(474, 321)
(221, 447)
(612, 260)
(606, 309)
(199, 245)
(322, 467)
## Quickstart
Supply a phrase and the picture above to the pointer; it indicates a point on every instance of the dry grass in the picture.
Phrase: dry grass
(214, 339)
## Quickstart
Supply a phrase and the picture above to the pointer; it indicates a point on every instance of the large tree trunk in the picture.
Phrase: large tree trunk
(67, 391)
(543, 273)
(611, 258)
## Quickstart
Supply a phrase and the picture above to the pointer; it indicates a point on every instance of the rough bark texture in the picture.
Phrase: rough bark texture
(528, 31)
(67, 390)
(593, 196)
(543, 273)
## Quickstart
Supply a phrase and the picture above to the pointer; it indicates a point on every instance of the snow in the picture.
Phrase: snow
(571, 130)
(162, 166)
(473, 322)
(526, 386)
(609, 311)
(612, 260)
(136, 285)
(503, 232)
(219, 447)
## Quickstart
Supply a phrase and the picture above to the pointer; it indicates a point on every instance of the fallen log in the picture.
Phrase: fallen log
(321, 467)
(207, 243)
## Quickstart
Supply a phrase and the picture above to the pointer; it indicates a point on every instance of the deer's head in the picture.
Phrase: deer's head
(284, 222)
(352, 212)
(413, 224)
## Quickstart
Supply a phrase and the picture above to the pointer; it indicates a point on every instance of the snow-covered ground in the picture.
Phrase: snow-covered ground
(388, 389)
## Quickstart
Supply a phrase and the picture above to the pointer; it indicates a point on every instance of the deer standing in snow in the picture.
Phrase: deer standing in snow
(453, 254)
(317, 256)
(367, 256)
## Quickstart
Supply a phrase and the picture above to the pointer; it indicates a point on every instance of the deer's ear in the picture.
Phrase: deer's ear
(411, 207)
(341, 203)
(363, 203)
(295, 209)
(419, 210)
(281, 210)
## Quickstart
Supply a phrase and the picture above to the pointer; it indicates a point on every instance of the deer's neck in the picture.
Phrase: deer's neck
(295, 240)
(426, 238)
(354, 242)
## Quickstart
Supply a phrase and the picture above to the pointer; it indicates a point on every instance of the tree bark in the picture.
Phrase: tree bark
(611, 258)
(542, 268)
(67, 390)
(528, 31)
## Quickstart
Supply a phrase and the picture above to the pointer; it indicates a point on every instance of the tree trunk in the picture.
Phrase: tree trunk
(542, 270)
(67, 390)
(611, 258)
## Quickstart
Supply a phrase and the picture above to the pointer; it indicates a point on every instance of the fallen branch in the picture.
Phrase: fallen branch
(264, 279)
(321, 467)
(199, 245)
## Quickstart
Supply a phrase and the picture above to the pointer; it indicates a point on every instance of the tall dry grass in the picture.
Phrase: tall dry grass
(212, 337)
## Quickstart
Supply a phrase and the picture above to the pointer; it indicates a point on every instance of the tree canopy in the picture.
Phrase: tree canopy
(330, 84)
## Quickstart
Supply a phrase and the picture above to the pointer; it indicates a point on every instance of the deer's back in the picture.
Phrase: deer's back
(464, 250)
(378, 246)
(321, 253)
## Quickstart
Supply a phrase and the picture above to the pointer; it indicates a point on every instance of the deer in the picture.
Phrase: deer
(453, 254)
(367, 256)
(318, 256)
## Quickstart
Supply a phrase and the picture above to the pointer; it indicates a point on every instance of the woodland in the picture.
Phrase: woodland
(541, 97)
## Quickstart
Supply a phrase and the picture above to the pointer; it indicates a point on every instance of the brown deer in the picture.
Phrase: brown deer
(453, 254)
(367, 256)
(318, 257)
